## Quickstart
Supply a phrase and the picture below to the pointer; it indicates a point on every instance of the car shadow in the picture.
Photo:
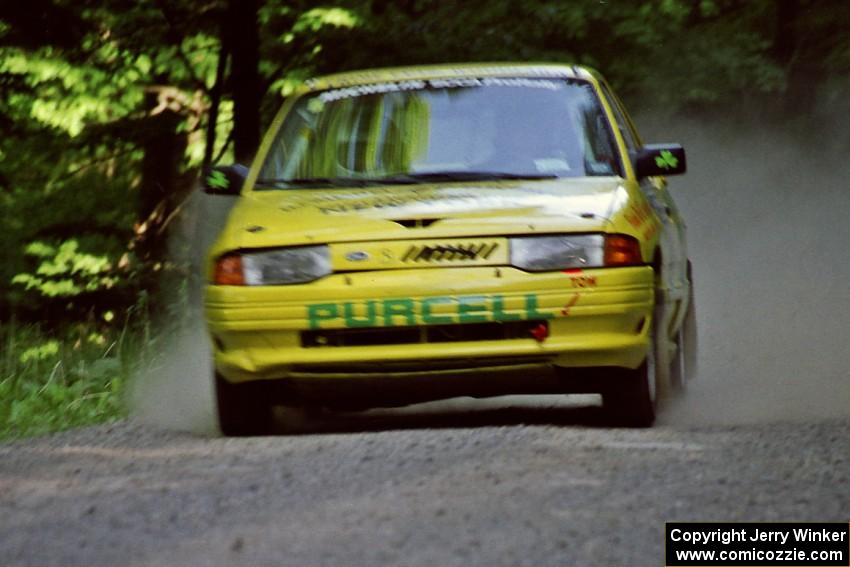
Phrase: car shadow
(450, 414)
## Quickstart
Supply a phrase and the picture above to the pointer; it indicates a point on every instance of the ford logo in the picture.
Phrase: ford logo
(358, 256)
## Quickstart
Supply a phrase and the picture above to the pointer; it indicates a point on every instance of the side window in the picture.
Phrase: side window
(622, 123)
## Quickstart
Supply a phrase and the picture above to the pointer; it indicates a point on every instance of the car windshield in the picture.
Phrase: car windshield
(442, 130)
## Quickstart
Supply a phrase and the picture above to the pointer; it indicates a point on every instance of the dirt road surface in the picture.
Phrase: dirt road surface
(512, 486)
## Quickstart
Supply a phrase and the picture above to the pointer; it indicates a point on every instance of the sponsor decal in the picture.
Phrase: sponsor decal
(355, 201)
(638, 214)
(545, 71)
(426, 200)
(650, 231)
(450, 83)
(408, 312)
(365, 90)
(579, 279)
(583, 281)
(573, 300)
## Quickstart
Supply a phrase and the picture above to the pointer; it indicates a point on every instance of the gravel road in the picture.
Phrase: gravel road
(510, 486)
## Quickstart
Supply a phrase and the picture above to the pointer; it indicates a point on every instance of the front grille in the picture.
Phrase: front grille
(412, 335)
(454, 252)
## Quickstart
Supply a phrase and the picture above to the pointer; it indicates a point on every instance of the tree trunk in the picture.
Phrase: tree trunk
(803, 72)
(243, 40)
(215, 102)
(785, 39)
(164, 148)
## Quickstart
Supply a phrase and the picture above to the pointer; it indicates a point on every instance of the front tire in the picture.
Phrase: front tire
(242, 411)
(631, 400)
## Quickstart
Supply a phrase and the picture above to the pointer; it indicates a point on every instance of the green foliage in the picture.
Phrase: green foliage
(69, 239)
(312, 21)
(48, 383)
(57, 379)
(65, 270)
(68, 96)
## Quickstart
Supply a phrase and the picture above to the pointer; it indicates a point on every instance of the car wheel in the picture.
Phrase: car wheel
(632, 398)
(242, 411)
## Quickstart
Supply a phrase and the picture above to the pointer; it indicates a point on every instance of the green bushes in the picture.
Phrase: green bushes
(52, 380)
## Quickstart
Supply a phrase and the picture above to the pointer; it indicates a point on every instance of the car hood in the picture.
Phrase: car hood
(306, 216)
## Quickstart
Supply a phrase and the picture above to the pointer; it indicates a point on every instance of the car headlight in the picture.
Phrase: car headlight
(565, 251)
(274, 267)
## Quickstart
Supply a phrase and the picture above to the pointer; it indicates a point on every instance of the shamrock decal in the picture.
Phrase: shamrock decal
(217, 180)
(666, 160)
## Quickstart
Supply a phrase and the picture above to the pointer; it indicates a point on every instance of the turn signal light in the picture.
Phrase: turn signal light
(622, 250)
(228, 270)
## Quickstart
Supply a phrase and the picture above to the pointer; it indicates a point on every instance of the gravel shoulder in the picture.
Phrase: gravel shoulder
(512, 486)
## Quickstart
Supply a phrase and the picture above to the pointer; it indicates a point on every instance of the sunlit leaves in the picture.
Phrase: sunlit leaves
(201, 52)
(298, 43)
(288, 84)
(68, 96)
(65, 270)
(42, 351)
(315, 19)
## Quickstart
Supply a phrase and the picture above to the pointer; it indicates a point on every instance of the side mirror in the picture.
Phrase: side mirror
(224, 179)
(660, 159)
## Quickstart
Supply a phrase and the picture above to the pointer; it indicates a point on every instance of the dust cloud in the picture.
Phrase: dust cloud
(768, 219)
(769, 230)
(175, 390)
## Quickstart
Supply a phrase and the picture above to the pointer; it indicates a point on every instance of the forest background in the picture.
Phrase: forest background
(109, 109)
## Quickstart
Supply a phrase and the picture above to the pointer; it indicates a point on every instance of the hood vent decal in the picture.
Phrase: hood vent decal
(470, 251)
(415, 223)
(449, 252)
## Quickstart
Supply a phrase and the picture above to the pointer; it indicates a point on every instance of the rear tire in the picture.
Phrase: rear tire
(242, 411)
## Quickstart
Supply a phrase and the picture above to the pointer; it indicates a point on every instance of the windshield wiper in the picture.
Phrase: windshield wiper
(400, 179)
(431, 176)
(312, 182)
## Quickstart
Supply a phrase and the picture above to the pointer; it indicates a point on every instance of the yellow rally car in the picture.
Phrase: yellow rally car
(420, 233)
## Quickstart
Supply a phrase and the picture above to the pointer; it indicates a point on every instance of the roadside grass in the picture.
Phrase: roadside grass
(52, 380)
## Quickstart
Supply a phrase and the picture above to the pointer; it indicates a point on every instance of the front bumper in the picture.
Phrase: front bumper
(595, 318)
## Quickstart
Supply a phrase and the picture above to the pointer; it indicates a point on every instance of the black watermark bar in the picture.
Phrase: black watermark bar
(739, 544)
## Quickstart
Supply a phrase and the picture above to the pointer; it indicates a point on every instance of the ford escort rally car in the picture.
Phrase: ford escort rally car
(420, 233)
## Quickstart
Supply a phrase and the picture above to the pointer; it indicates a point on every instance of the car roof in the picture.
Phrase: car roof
(452, 70)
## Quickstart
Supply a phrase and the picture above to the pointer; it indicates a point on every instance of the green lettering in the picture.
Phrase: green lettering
(499, 313)
(319, 312)
(531, 311)
(371, 319)
(469, 306)
(400, 307)
(431, 319)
